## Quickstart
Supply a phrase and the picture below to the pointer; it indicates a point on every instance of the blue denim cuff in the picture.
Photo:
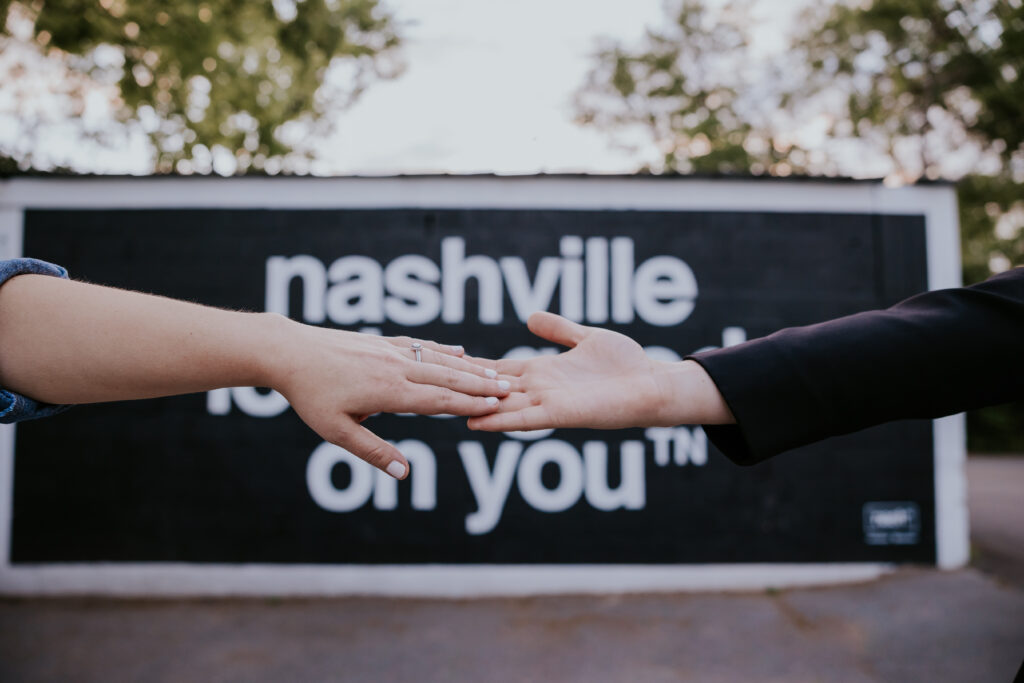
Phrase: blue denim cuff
(15, 407)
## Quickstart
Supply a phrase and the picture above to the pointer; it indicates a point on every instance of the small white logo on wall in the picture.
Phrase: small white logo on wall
(887, 523)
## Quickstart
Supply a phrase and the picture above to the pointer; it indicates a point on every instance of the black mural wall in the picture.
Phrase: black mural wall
(235, 476)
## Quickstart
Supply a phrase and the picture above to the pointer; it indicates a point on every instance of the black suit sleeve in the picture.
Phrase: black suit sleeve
(934, 354)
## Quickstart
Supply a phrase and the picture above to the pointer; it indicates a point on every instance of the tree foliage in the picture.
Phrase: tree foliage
(938, 86)
(683, 85)
(253, 78)
(927, 75)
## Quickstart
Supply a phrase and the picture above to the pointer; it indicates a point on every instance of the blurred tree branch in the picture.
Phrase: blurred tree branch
(685, 86)
(931, 88)
(941, 83)
(254, 79)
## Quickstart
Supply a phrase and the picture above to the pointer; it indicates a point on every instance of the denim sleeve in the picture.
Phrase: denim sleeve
(15, 407)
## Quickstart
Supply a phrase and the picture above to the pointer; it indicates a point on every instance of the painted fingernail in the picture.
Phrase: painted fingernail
(491, 400)
(396, 469)
(504, 384)
(491, 373)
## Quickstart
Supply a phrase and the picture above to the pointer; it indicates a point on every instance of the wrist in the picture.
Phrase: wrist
(270, 362)
(690, 396)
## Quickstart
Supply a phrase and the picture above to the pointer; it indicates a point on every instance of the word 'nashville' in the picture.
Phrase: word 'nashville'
(597, 280)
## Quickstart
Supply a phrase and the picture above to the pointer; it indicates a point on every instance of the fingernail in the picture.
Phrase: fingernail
(491, 373)
(458, 348)
(504, 384)
(491, 400)
(396, 469)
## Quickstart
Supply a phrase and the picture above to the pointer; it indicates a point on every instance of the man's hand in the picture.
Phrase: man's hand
(605, 381)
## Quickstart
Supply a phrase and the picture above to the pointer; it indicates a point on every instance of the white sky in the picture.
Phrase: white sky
(489, 88)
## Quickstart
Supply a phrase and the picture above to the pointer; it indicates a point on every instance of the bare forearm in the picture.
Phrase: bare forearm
(69, 342)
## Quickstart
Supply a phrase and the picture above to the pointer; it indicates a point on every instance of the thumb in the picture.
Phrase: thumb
(556, 328)
(363, 443)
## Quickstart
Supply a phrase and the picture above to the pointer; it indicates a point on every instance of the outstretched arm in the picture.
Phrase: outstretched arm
(63, 342)
(934, 354)
(604, 381)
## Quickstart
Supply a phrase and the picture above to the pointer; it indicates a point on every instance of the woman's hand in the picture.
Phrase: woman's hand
(335, 379)
(604, 381)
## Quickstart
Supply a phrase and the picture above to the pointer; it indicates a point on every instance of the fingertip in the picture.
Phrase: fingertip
(555, 328)
(545, 324)
(482, 364)
(510, 368)
(477, 424)
(537, 319)
(397, 469)
(484, 406)
(366, 445)
(489, 423)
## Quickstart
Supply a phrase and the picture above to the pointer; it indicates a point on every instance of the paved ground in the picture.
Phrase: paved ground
(996, 495)
(916, 625)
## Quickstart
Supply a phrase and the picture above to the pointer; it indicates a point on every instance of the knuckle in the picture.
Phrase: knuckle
(339, 437)
(393, 386)
(393, 360)
(446, 399)
(377, 455)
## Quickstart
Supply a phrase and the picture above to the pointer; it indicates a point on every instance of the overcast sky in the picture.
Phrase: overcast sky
(489, 87)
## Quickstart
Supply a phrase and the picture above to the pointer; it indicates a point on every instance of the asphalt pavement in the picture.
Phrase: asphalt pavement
(914, 625)
(996, 498)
